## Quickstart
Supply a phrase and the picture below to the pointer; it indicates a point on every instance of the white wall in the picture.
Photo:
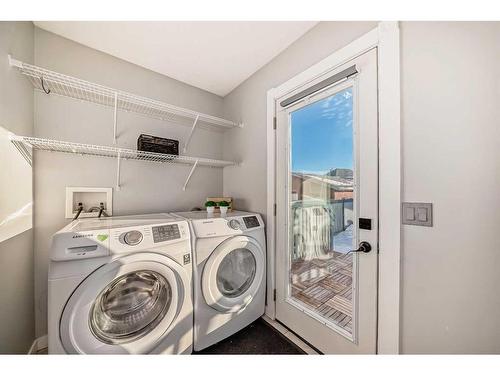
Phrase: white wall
(451, 156)
(451, 129)
(16, 253)
(146, 187)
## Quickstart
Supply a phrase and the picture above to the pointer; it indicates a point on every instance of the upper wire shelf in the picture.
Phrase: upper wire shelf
(64, 85)
(22, 143)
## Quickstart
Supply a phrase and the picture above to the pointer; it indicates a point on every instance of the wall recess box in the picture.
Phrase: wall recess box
(90, 197)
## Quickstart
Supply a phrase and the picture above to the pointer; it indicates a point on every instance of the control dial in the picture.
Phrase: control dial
(234, 224)
(133, 237)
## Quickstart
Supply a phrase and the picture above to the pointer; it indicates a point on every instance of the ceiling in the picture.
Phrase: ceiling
(215, 56)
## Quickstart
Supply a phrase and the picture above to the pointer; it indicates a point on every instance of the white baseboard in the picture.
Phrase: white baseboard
(38, 344)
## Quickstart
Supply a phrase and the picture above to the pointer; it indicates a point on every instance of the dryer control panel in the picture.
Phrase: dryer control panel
(251, 222)
(220, 226)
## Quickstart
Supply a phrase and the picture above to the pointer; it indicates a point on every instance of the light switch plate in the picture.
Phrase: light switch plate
(416, 213)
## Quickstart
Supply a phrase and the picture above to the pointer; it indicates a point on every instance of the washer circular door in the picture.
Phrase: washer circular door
(125, 306)
(233, 274)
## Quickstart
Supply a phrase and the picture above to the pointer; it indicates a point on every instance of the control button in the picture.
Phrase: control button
(234, 224)
(133, 237)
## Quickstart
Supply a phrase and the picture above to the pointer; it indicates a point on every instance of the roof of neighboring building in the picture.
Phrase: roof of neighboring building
(334, 182)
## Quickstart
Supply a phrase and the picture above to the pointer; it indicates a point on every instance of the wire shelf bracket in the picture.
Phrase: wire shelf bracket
(191, 133)
(115, 117)
(64, 85)
(118, 158)
(189, 175)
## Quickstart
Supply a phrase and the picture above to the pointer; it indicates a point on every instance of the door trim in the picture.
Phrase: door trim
(386, 39)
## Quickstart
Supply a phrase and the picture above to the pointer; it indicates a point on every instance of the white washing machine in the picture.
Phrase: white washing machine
(229, 257)
(121, 285)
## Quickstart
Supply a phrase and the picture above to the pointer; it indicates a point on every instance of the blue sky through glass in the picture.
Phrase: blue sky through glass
(322, 136)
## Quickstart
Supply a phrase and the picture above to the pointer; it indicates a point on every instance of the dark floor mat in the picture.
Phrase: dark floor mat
(257, 338)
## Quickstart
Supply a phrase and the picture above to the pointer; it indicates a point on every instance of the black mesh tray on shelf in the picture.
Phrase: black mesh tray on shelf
(159, 145)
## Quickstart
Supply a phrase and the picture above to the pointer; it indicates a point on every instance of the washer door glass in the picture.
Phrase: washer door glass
(130, 307)
(236, 272)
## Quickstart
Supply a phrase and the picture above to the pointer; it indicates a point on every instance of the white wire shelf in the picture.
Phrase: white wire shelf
(24, 144)
(60, 84)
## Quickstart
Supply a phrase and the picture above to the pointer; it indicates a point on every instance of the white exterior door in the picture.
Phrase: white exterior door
(327, 204)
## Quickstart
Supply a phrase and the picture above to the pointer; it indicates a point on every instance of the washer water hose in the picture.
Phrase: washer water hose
(80, 209)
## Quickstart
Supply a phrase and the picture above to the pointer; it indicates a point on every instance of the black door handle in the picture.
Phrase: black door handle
(364, 247)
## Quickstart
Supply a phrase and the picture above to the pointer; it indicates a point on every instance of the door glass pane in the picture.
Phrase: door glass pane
(321, 208)
(236, 273)
(130, 307)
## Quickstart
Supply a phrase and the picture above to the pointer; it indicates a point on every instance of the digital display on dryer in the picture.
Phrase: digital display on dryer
(251, 221)
(166, 233)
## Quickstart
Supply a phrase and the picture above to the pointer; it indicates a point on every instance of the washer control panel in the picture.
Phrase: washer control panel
(92, 238)
(146, 237)
(164, 233)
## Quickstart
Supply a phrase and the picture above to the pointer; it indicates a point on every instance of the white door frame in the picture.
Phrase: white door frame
(386, 39)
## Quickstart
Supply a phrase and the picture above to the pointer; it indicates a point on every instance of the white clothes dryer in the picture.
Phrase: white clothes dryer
(121, 285)
(229, 264)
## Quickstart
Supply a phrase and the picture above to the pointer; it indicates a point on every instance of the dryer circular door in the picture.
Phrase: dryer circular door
(233, 274)
(125, 306)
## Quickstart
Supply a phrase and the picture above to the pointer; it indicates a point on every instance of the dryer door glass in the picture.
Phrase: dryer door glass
(236, 273)
(130, 307)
